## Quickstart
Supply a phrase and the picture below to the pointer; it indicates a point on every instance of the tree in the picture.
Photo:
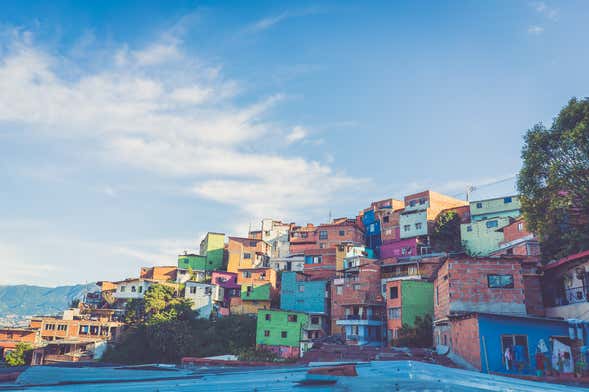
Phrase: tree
(17, 357)
(445, 235)
(554, 181)
(420, 335)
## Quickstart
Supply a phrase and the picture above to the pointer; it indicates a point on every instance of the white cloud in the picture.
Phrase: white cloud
(167, 113)
(535, 30)
(545, 10)
(270, 21)
(298, 133)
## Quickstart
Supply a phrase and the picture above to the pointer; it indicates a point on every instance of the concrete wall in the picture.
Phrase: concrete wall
(395, 249)
(479, 239)
(201, 296)
(575, 311)
(418, 300)
(408, 222)
(275, 322)
(495, 207)
(301, 295)
(195, 262)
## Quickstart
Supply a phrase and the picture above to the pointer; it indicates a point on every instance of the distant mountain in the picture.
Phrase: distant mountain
(25, 300)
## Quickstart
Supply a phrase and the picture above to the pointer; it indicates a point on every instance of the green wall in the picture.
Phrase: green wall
(279, 322)
(195, 262)
(418, 300)
(257, 293)
(492, 208)
(213, 247)
(482, 240)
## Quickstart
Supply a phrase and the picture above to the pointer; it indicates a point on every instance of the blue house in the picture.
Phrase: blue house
(372, 230)
(300, 293)
(482, 339)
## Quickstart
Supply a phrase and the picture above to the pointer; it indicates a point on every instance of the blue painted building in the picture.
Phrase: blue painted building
(300, 294)
(481, 339)
(372, 230)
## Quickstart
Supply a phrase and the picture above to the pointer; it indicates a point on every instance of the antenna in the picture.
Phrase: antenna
(469, 189)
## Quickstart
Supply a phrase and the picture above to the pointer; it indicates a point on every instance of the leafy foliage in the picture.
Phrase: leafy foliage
(258, 354)
(159, 304)
(17, 357)
(445, 236)
(419, 336)
(554, 181)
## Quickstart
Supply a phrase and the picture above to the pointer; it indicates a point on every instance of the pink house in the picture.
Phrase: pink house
(400, 248)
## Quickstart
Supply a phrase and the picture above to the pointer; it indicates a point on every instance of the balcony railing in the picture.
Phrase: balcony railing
(573, 295)
(363, 317)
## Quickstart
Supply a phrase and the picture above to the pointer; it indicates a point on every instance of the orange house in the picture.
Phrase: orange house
(247, 253)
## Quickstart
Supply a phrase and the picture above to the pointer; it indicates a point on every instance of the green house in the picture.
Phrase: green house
(499, 207)
(212, 249)
(281, 328)
(417, 299)
(483, 237)
(195, 262)
(256, 293)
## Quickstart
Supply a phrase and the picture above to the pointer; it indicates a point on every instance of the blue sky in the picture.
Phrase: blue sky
(129, 129)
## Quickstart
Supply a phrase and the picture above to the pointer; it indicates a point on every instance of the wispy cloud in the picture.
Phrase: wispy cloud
(535, 30)
(270, 21)
(167, 113)
(298, 133)
(545, 10)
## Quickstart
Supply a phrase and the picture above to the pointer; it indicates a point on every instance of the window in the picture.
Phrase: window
(49, 327)
(292, 318)
(394, 292)
(394, 313)
(516, 343)
(192, 289)
(437, 295)
(122, 289)
(304, 234)
(500, 281)
(418, 226)
(133, 289)
(371, 228)
(322, 245)
(422, 201)
(479, 205)
(491, 224)
(322, 234)
(301, 288)
(339, 290)
(406, 227)
(268, 317)
(469, 228)
(140, 289)
(283, 334)
(342, 233)
(249, 290)
(314, 319)
(208, 290)
(247, 255)
(506, 200)
(388, 232)
(62, 327)
(385, 219)
(246, 274)
(356, 287)
(412, 203)
(266, 333)
(520, 226)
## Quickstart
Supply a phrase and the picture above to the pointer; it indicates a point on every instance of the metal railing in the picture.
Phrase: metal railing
(573, 295)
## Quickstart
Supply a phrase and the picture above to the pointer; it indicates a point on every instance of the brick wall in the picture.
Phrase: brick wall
(441, 293)
(469, 291)
(465, 340)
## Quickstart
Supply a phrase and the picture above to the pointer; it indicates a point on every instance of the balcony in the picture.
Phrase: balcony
(355, 319)
(573, 295)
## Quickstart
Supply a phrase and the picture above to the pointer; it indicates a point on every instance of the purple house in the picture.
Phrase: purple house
(400, 248)
(227, 281)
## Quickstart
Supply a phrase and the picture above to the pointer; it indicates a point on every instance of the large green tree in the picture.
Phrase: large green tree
(445, 235)
(17, 357)
(554, 181)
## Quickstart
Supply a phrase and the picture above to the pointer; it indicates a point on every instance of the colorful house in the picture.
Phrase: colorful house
(165, 274)
(211, 257)
(508, 206)
(247, 253)
(483, 237)
(201, 296)
(406, 300)
(282, 332)
(481, 340)
(252, 299)
(225, 287)
(517, 240)
(357, 306)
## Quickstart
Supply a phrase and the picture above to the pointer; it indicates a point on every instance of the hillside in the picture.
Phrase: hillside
(19, 301)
